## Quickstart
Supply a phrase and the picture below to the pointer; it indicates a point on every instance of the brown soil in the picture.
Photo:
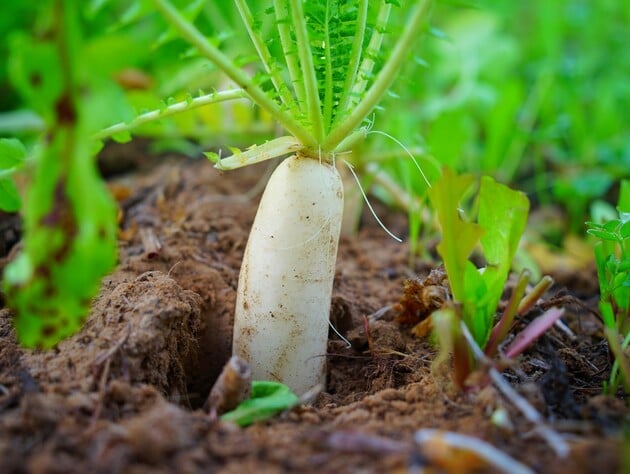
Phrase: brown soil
(125, 394)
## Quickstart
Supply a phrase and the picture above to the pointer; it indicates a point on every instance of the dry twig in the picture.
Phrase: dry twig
(150, 242)
(455, 452)
(554, 439)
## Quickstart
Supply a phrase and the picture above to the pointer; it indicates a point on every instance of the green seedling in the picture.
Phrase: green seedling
(612, 256)
(502, 214)
(267, 400)
(501, 217)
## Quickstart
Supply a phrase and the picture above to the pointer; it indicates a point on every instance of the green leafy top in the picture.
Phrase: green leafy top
(322, 67)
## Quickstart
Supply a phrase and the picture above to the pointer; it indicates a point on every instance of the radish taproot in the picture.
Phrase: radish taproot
(286, 279)
(322, 71)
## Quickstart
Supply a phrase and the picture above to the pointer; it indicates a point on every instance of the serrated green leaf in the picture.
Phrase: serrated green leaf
(611, 226)
(212, 156)
(603, 235)
(267, 399)
(501, 222)
(503, 214)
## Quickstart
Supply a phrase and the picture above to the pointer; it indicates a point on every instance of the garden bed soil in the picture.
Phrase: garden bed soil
(125, 394)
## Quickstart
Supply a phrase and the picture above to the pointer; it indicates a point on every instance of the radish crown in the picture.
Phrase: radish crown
(323, 67)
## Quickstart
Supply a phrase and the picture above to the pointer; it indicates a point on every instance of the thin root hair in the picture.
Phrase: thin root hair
(367, 202)
(348, 344)
(406, 149)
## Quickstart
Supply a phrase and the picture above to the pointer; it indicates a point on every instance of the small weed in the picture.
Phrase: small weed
(612, 256)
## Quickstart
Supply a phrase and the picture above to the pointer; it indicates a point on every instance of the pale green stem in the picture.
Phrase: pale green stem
(355, 55)
(288, 48)
(258, 96)
(350, 141)
(501, 329)
(275, 148)
(265, 57)
(533, 296)
(384, 78)
(374, 46)
(172, 109)
(620, 357)
(314, 111)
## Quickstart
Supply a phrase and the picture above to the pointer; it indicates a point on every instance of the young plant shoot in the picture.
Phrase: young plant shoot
(501, 218)
(612, 256)
(323, 67)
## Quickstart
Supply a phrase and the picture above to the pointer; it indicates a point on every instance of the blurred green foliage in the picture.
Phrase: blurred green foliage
(534, 93)
(69, 216)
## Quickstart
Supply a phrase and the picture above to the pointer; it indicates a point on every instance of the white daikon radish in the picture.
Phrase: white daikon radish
(286, 279)
(319, 82)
